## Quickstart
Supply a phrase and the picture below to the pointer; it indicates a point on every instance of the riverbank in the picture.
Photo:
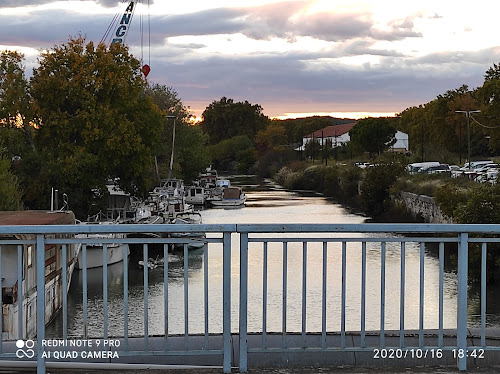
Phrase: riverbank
(386, 193)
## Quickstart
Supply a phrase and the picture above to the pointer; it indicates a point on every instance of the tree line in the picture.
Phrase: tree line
(87, 115)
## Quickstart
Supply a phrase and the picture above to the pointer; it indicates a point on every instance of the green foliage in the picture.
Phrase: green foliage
(450, 196)
(420, 184)
(10, 196)
(98, 121)
(272, 137)
(350, 177)
(482, 206)
(16, 109)
(227, 154)
(225, 119)
(190, 151)
(373, 135)
(375, 189)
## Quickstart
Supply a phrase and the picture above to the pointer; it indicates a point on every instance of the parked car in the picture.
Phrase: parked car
(416, 166)
(486, 167)
(475, 164)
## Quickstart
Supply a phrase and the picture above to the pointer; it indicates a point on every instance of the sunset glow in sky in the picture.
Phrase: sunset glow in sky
(346, 58)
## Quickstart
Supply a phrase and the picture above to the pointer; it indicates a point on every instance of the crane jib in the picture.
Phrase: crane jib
(121, 31)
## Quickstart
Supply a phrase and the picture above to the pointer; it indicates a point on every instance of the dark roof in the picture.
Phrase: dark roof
(332, 131)
(36, 217)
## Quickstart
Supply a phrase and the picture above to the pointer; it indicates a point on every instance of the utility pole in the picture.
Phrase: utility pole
(172, 154)
(467, 114)
(422, 141)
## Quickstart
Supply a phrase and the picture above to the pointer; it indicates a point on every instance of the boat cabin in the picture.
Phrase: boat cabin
(19, 290)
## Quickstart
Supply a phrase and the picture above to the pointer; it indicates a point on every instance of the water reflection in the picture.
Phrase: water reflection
(268, 204)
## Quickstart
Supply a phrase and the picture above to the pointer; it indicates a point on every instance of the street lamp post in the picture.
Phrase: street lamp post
(467, 114)
(172, 154)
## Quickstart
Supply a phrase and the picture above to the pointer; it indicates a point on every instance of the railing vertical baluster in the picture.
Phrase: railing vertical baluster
(64, 274)
(285, 286)
(205, 291)
(363, 294)
(40, 302)
(323, 296)
(146, 295)
(343, 295)
(463, 252)
(125, 295)
(402, 297)
(382, 295)
(421, 308)
(165, 294)
(226, 301)
(441, 294)
(243, 301)
(483, 294)
(186, 298)
(105, 288)
(84, 297)
(304, 293)
(264, 298)
(20, 293)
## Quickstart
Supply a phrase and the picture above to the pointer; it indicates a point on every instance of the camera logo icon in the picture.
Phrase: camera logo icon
(28, 352)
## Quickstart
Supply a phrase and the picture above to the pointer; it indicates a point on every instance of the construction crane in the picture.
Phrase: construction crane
(120, 30)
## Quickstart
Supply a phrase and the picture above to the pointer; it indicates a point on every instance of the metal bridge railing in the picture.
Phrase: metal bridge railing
(294, 281)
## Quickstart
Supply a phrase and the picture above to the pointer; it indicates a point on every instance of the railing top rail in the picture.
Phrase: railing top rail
(112, 228)
(370, 227)
(252, 228)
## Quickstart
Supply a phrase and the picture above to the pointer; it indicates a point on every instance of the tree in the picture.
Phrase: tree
(10, 197)
(375, 189)
(15, 103)
(227, 154)
(373, 135)
(225, 119)
(97, 120)
(190, 151)
(272, 137)
(489, 95)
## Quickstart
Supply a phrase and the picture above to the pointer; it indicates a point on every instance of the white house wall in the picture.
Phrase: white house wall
(402, 141)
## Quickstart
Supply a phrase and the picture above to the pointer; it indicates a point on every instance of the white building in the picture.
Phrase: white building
(337, 135)
(334, 136)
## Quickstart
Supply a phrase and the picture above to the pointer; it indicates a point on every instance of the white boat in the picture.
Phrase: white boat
(12, 290)
(195, 195)
(189, 218)
(215, 193)
(169, 199)
(231, 197)
(94, 250)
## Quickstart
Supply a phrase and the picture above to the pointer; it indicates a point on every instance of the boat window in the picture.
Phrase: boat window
(29, 255)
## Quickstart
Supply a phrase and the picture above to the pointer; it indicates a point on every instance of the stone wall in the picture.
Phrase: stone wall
(423, 206)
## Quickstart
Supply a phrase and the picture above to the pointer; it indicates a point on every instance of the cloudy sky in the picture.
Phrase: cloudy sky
(342, 57)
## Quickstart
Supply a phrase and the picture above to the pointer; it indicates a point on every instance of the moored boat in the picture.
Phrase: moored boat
(190, 218)
(94, 248)
(25, 293)
(231, 197)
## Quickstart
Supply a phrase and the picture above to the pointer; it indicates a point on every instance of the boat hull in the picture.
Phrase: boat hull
(95, 259)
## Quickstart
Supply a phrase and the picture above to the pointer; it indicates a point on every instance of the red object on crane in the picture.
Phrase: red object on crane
(145, 70)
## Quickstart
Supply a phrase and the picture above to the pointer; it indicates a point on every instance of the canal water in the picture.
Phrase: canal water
(269, 203)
